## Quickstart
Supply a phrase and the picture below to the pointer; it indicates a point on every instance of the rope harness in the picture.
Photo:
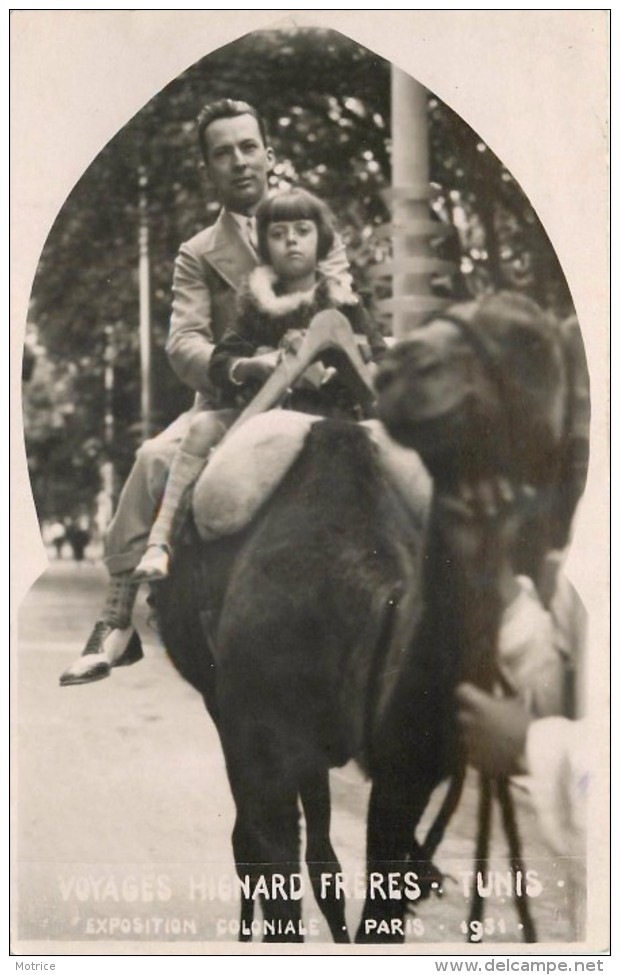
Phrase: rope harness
(487, 786)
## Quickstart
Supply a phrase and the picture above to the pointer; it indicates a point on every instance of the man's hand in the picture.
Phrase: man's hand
(315, 376)
(259, 367)
(292, 339)
(493, 729)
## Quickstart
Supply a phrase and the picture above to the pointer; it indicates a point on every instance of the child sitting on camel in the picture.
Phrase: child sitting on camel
(295, 231)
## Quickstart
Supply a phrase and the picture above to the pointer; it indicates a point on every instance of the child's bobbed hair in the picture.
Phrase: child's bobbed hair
(295, 204)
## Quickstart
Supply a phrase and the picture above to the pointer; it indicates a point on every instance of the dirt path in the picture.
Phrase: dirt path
(123, 812)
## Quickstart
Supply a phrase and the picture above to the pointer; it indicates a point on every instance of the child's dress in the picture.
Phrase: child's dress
(265, 315)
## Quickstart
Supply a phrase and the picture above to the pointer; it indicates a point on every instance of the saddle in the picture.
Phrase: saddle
(245, 470)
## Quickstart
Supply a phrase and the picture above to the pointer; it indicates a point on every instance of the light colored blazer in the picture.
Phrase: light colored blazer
(208, 272)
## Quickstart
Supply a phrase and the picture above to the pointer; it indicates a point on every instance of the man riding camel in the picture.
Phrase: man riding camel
(209, 271)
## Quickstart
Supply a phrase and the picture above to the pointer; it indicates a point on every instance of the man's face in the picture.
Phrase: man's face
(292, 246)
(238, 162)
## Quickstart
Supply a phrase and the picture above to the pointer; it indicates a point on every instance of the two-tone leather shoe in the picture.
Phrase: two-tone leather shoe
(107, 647)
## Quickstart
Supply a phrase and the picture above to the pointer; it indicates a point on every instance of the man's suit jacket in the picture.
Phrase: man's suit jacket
(208, 273)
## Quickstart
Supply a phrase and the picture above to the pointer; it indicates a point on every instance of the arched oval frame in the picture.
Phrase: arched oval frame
(507, 74)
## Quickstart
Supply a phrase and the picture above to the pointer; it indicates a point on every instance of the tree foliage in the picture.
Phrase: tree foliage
(326, 101)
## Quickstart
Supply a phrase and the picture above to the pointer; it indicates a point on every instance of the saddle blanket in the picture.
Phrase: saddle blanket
(246, 468)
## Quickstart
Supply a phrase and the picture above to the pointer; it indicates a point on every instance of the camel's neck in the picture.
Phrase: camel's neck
(464, 602)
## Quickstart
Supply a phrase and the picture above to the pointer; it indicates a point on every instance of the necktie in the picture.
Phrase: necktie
(251, 232)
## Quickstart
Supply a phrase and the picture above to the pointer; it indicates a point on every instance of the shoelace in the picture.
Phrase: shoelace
(93, 644)
(251, 232)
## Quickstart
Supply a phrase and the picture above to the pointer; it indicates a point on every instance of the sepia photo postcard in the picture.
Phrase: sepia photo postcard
(310, 379)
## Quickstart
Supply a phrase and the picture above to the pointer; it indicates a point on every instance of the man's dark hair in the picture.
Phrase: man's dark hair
(225, 108)
(295, 204)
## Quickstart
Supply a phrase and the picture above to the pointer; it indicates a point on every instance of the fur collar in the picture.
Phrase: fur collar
(261, 288)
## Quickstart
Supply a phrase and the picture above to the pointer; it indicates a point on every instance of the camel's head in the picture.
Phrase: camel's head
(479, 390)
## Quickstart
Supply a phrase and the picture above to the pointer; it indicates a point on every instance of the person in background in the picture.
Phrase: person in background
(56, 536)
(540, 731)
(503, 738)
(78, 538)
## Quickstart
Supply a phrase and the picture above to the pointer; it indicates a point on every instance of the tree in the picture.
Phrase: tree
(326, 101)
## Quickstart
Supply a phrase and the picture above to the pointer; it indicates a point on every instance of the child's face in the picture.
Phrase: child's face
(292, 246)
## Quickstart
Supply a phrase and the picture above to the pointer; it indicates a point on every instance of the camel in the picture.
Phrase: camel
(337, 625)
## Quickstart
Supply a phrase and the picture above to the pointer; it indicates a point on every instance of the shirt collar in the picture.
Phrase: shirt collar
(242, 220)
(247, 228)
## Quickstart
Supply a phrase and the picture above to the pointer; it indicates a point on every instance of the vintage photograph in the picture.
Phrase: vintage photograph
(310, 405)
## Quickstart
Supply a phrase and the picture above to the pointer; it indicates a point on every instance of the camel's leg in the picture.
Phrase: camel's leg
(266, 841)
(241, 850)
(275, 828)
(323, 866)
(246, 916)
(393, 882)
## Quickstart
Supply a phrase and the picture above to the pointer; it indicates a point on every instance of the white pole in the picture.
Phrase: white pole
(413, 259)
(410, 177)
(108, 386)
(145, 305)
(104, 503)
